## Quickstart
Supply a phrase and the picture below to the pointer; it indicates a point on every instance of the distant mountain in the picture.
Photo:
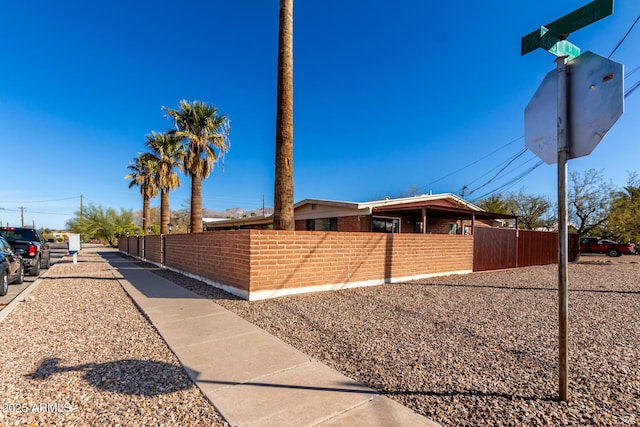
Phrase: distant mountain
(181, 216)
(235, 213)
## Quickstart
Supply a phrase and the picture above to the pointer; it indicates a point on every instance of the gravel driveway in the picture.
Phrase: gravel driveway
(81, 354)
(477, 349)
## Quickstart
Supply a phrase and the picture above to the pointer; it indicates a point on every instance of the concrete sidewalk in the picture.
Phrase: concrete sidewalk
(250, 376)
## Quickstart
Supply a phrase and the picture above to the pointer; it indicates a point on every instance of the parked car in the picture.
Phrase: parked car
(36, 254)
(596, 245)
(11, 266)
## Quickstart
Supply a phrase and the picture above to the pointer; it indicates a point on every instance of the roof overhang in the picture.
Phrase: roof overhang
(369, 207)
(442, 211)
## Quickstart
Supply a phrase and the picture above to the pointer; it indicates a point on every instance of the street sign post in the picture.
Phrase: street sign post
(557, 46)
(563, 117)
(587, 14)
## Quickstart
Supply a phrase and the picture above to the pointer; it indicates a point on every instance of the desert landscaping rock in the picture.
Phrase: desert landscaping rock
(477, 349)
(81, 354)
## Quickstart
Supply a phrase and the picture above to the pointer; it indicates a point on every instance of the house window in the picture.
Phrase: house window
(322, 224)
(385, 225)
(453, 228)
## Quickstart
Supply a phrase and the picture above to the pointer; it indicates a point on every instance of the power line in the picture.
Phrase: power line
(632, 71)
(38, 201)
(516, 168)
(520, 153)
(517, 179)
(511, 182)
(625, 36)
(471, 164)
(489, 171)
(630, 91)
(50, 213)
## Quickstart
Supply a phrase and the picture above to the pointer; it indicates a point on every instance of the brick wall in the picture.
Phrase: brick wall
(134, 246)
(286, 260)
(439, 226)
(354, 223)
(260, 264)
(220, 257)
(153, 248)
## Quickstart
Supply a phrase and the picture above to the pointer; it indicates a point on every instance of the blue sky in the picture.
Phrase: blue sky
(385, 98)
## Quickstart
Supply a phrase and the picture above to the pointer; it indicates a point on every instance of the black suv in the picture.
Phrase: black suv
(36, 253)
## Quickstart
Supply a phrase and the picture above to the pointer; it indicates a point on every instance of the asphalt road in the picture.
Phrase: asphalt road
(58, 250)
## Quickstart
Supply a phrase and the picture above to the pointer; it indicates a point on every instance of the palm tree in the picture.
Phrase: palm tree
(283, 187)
(143, 171)
(206, 137)
(169, 153)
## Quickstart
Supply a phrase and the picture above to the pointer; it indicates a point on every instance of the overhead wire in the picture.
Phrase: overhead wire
(511, 182)
(625, 36)
(493, 178)
(472, 163)
(519, 178)
(632, 71)
(633, 88)
(487, 172)
(513, 171)
(39, 201)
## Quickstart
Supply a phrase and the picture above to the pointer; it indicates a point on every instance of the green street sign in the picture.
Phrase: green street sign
(587, 14)
(555, 45)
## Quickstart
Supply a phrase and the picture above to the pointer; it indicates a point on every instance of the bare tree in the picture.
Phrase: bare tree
(589, 200)
(533, 211)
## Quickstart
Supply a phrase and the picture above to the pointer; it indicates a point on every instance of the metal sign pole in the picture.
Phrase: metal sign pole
(563, 279)
(586, 123)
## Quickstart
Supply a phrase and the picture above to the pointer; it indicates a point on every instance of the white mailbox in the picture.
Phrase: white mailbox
(74, 243)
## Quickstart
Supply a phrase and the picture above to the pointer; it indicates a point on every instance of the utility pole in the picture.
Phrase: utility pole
(21, 216)
(81, 207)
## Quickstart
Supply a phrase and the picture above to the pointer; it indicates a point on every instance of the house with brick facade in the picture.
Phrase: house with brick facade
(339, 245)
(426, 214)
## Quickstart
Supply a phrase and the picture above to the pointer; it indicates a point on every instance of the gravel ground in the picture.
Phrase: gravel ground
(81, 354)
(478, 349)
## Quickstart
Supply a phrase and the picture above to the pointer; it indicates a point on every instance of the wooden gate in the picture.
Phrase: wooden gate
(497, 248)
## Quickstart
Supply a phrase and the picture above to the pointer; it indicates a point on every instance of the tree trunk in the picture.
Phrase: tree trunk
(283, 187)
(164, 212)
(146, 215)
(196, 204)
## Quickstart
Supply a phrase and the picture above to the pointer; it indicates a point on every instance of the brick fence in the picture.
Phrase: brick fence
(259, 264)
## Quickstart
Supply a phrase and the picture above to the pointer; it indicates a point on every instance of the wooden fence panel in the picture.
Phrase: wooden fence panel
(537, 248)
(493, 248)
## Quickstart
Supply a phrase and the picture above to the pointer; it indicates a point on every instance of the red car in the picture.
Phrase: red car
(596, 245)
